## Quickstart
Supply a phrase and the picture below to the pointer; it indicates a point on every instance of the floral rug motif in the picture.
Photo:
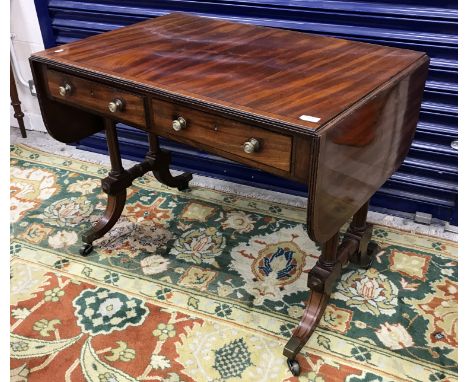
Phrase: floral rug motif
(208, 286)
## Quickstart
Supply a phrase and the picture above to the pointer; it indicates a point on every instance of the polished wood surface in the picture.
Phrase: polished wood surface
(65, 122)
(119, 179)
(257, 72)
(362, 148)
(225, 135)
(355, 248)
(96, 97)
(230, 83)
(366, 96)
(115, 200)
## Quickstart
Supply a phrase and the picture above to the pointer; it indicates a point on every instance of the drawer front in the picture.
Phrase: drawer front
(221, 135)
(95, 96)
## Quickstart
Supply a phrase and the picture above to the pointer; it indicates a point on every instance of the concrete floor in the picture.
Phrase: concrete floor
(44, 142)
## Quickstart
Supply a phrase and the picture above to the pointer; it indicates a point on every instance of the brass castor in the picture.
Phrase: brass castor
(183, 182)
(294, 367)
(184, 187)
(86, 249)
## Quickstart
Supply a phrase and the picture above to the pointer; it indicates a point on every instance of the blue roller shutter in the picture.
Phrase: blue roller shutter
(427, 180)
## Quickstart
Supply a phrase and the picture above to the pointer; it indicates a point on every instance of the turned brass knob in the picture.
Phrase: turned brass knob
(251, 146)
(179, 124)
(116, 105)
(65, 90)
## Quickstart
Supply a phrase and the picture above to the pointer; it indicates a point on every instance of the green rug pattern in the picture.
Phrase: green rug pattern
(243, 262)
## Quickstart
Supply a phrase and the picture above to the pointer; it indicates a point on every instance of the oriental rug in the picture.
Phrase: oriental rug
(207, 286)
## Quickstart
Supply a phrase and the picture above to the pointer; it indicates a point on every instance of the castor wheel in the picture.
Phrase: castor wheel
(184, 188)
(294, 367)
(372, 250)
(86, 249)
(183, 181)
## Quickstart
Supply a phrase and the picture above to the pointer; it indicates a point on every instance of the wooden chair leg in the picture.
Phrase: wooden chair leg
(356, 247)
(15, 102)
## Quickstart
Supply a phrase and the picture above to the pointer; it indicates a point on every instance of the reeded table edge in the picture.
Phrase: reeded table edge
(249, 117)
(416, 63)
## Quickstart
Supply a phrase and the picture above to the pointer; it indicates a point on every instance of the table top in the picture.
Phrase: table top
(284, 76)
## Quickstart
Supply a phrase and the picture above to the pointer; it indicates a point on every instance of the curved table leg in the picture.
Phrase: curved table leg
(320, 281)
(163, 174)
(160, 166)
(115, 187)
(355, 247)
(315, 307)
(115, 206)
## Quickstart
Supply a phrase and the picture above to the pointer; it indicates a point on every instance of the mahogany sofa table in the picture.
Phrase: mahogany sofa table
(336, 115)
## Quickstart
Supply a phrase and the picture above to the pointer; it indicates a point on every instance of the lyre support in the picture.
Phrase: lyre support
(116, 183)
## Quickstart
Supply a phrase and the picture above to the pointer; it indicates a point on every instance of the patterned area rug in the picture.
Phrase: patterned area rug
(207, 286)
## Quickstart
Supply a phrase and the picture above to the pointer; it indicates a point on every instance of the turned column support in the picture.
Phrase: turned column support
(16, 103)
(361, 232)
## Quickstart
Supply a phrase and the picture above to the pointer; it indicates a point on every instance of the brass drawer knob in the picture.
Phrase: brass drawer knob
(116, 105)
(251, 146)
(65, 90)
(179, 124)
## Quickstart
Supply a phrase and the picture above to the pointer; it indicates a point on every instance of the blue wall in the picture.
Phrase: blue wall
(427, 180)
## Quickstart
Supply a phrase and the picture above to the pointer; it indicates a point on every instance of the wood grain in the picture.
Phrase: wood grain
(16, 103)
(96, 97)
(63, 122)
(209, 131)
(362, 148)
(257, 72)
(302, 156)
(256, 82)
